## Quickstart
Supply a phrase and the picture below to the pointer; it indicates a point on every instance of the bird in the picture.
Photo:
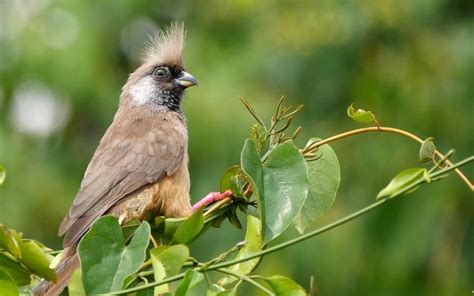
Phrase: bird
(141, 163)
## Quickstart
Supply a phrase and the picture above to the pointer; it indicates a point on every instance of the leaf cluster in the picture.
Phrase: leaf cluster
(22, 261)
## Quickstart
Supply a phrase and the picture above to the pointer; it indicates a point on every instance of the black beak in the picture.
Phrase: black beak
(186, 80)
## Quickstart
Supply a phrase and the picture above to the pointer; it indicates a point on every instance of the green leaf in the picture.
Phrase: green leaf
(36, 260)
(253, 244)
(217, 222)
(15, 269)
(167, 261)
(216, 290)
(226, 179)
(361, 115)
(75, 286)
(226, 293)
(56, 260)
(146, 292)
(235, 186)
(189, 229)
(129, 228)
(159, 274)
(28, 253)
(281, 185)
(2, 175)
(190, 280)
(403, 180)
(252, 166)
(7, 284)
(234, 218)
(213, 289)
(105, 259)
(324, 179)
(10, 241)
(427, 150)
(283, 286)
(167, 226)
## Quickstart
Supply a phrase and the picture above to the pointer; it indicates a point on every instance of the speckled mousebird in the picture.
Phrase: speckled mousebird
(141, 163)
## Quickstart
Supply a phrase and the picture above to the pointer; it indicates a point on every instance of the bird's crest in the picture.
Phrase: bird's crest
(166, 46)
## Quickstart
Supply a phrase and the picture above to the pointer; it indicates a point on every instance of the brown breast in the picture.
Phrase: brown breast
(169, 196)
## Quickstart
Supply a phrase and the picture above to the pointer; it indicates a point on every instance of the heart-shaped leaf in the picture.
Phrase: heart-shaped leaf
(105, 259)
(427, 150)
(324, 179)
(280, 185)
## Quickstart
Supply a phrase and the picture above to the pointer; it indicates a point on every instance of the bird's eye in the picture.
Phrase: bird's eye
(161, 72)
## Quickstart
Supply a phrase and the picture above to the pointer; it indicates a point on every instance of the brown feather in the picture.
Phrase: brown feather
(138, 149)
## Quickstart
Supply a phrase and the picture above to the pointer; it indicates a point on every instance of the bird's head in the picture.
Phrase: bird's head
(160, 81)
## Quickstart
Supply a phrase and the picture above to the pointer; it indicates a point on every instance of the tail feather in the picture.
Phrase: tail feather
(64, 271)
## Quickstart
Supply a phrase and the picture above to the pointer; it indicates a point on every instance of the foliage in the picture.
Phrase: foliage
(21, 258)
(104, 269)
(288, 186)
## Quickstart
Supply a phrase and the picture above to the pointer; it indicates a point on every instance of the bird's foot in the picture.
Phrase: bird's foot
(211, 198)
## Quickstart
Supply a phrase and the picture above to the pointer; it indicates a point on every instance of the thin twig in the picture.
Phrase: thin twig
(252, 111)
(441, 161)
(246, 279)
(395, 131)
(153, 241)
(217, 206)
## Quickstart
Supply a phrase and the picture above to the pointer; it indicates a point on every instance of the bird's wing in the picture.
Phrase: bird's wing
(131, 155)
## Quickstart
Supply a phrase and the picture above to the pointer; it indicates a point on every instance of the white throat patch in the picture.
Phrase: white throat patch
(144, 91)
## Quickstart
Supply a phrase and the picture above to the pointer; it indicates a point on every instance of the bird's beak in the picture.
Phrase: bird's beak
(186, 80)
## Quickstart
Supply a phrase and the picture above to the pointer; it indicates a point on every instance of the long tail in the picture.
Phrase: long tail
(64, 271)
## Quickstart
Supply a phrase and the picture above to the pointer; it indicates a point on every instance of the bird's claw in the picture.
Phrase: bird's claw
(211, 198)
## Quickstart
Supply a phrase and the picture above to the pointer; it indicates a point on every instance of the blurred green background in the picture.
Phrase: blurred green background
(62, 65)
